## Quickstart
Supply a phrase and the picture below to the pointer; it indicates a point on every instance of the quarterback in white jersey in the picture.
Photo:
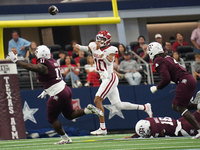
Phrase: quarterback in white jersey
(104, 54)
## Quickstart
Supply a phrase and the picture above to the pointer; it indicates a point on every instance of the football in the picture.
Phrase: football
(53, 10)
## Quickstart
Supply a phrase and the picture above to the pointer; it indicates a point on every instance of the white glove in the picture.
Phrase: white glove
(42, 95)
(153, 89)
(12, 56)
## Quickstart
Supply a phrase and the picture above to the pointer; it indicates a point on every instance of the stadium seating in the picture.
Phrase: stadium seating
(133, 44)
(83, 61)
(190, 56)
(139, 50)
(55, 55)
(54, 48)
(182, 50)
(116, 44)
(68, 47)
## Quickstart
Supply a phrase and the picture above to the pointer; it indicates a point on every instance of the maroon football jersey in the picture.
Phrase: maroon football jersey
(159, 123)
(53, 76)
(170, 70)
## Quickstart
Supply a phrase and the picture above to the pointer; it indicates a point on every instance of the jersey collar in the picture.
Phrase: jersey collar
(105, 48)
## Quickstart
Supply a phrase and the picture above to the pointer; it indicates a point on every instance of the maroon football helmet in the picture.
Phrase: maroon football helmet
(104, 37)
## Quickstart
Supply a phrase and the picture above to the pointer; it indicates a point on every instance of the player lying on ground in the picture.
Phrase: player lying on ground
(166, 126)
(60, 100)
(104, 55)
(170, 70)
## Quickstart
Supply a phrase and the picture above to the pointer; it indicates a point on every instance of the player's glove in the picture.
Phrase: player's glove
(42, 95)
(12, 56)
(153, 89)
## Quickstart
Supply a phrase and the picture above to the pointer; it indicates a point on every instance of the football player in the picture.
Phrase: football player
(104, 55)
(60, 100)
(171, 70)
(165, 126)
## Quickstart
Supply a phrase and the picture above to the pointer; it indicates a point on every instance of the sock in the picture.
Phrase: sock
(128, 106)
(64, 137)
(198, 106)
(87, 111)
(102, 125)
(141, 107)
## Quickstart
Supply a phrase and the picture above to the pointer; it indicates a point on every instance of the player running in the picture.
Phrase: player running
(104, 55)
(60, 100)
(171, 70)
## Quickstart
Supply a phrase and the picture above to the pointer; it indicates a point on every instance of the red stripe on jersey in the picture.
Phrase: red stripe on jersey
(107, 87)
(105, 48)
(110, 86)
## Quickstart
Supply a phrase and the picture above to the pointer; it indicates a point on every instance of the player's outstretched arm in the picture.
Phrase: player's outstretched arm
(39, 68)
(36, 68)
(78, 48)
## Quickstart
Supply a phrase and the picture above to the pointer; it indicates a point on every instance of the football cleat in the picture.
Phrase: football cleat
(197, 136)
(95, 110)
(69, 141)
(148, 109)
(197, 98)
(100, 131)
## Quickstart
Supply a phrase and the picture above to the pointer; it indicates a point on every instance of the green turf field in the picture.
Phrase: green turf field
(107, 142)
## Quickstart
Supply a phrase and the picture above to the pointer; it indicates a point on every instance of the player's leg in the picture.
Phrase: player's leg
(115, 100)
(105, 87)
(184, 92)
(102, 129)
(70, 113)
(54, 107)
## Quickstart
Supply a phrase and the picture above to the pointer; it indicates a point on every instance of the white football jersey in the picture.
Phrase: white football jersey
(102, 68)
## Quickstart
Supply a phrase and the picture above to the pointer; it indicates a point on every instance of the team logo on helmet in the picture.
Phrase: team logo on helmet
(104, 37)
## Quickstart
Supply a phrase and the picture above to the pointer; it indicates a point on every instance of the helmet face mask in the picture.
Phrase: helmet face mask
(43, 51)
(142, 128)
(153, 49)
(104, 38)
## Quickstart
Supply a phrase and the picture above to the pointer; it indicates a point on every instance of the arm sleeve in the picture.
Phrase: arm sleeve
(93, 46)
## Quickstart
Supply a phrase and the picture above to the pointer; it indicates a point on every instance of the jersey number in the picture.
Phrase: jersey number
(58, 74)
(166, 120)
(42, 60)
(98, 63)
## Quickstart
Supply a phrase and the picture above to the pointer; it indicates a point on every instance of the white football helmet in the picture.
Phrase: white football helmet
(153, 49)
(43, 51)
(142, 128)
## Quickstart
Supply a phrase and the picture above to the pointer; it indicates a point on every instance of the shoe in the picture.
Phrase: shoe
(95, 110)
(100, 131)
(74, 85)
(79, 84)
(197, 98)
(148, 109)
(69, 141)
(197, 136)
(86, 84)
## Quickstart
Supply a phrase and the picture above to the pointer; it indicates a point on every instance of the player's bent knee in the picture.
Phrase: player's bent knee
(118, 106)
